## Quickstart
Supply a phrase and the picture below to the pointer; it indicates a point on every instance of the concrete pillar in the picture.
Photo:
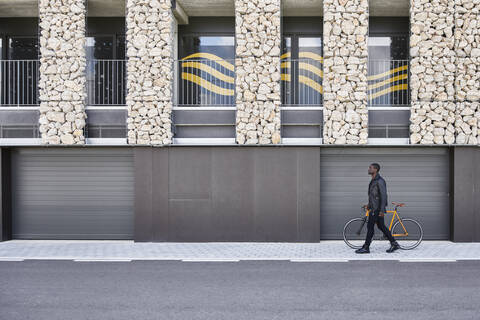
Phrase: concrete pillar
(467, 78)
(150, 62)
(258, 37)
(432, 72)
(62, 71)
(345, 51)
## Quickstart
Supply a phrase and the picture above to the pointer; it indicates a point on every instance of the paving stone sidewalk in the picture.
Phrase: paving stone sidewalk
(325, 250)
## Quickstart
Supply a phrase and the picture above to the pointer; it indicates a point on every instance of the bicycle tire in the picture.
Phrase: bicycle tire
(417, 241)
(361, 237)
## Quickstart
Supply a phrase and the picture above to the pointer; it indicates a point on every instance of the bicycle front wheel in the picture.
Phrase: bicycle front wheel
(354, 232)
(408, 233)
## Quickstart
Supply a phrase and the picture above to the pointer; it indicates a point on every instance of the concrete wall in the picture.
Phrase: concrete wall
(465, 194)
(5, 196)
(227, 194)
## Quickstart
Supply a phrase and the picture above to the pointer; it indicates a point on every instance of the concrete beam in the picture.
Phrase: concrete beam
(180, 14)
(207, 8)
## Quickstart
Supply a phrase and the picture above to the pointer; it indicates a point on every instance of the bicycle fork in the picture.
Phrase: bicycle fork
(361, 227)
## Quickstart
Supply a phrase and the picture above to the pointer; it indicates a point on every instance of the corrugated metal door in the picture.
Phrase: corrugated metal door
(418, 177)
(81, 193)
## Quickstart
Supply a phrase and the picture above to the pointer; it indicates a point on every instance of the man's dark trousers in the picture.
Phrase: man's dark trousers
(380, 221)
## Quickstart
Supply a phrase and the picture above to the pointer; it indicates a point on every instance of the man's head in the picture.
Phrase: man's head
(373, 169)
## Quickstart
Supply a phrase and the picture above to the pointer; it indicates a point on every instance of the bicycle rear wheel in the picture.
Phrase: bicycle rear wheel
(408, 233)
(354, 232)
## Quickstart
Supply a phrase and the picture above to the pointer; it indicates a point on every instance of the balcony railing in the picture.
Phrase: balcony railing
(106, 82)
(388, 83)
(302, 81)
(205, 82)
(19, 82)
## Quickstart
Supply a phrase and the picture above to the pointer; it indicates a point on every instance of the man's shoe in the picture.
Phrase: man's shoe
(393, 246)
(363, 249)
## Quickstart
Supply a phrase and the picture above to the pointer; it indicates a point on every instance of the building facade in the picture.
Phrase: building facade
(236, 120)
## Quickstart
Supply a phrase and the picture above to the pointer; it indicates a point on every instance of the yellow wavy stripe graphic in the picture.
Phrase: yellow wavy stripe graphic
(213, 57)
(214, 72)
(313, 69)
(286, 55)
(304, 66)
(311, 83)
(383, 75)
(311, 55)
(306, 81)
(382, 83)
(207, 84)
(398, 87)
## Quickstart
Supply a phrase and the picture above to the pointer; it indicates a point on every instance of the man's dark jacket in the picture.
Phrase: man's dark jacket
(377, 195)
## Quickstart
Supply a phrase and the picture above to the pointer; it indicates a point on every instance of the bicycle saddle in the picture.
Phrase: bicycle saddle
(398, 204)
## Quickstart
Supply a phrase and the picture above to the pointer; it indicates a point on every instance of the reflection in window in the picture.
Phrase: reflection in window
(302, 71)
(106, 70)
(19, 72)
(388, 70)
(207, 70)
(22, 48)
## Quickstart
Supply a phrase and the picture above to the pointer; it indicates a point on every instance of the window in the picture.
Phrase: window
(22, 48)
(19, 72)
(106, 70)
(302, 70)
(206, 70)
(388, 70)
(388, 88)
(99, 47)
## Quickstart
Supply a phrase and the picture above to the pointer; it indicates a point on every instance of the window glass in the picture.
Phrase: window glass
(120, 47)
(22, 48)
(99, 47)
(302, 70)
(388, 70)
(206, 70)
(105, 76)
(310, 71)
(388, 48)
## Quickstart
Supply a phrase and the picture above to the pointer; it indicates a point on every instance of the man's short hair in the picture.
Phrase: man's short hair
(376, 166)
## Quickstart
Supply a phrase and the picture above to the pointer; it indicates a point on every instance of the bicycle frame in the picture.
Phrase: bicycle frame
(395, 215)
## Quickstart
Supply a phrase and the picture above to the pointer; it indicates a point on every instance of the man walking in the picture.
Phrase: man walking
(377, 202)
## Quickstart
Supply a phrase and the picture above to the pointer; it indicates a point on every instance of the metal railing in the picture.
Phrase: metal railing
(389, 131)
(205, 82)
(302, 82)
(106, 82)
(19, 82)
(388, 83)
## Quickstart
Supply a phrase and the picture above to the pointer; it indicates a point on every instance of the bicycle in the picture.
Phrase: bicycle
(355, 230)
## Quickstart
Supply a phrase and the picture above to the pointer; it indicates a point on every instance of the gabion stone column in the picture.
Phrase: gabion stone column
(467, 78)
(432, 72)
(257, 71)
(62, 71)
(149, 71)
(345, 51)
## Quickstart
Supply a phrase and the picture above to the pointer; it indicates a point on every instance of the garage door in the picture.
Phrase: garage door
(418, 177)
(83, 193)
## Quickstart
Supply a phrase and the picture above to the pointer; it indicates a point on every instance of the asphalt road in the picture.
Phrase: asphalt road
(239, 290)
